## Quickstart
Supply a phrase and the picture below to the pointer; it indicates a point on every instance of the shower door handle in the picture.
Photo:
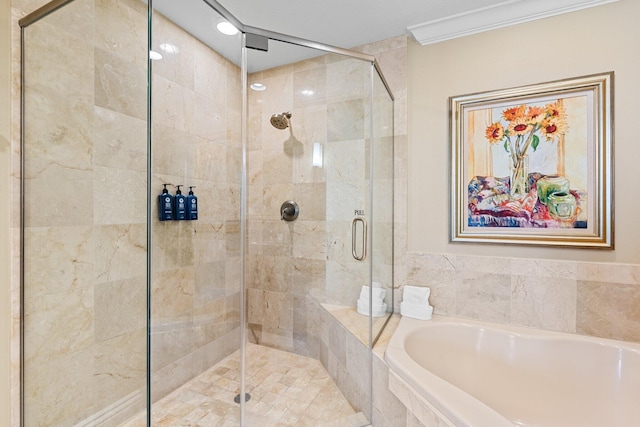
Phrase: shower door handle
(354, 239)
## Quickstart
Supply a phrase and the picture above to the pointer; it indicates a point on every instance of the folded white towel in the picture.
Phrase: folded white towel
(365, 305)
(379, 312)
(416, 294)
(376, 293)
(417, 311)
(374, 303)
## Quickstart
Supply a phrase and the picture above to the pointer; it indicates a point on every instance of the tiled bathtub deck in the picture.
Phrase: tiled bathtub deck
(286, 390)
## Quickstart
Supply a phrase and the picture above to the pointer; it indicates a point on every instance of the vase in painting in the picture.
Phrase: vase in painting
(519, 179)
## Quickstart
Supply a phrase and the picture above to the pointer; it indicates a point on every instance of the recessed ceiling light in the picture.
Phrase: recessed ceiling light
(155, 55)
(258, 86)
(169, 48)
(307, 92)
(225, 27)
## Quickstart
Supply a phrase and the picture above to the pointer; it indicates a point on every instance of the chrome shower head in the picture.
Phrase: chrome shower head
(280, 121)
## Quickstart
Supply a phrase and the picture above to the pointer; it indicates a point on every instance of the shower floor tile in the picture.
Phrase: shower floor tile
(286, 390)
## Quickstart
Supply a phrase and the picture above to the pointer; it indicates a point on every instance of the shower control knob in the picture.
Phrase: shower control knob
(289, 211)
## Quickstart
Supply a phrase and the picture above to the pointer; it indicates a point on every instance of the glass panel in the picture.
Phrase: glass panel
(317, 137)
(85, 184)
(195, 255)
(306, 143)
(382, 201)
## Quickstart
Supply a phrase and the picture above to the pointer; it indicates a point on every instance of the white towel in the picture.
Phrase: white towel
(417, 311)
(376, 293)
(365, 305)
(379, 312)
(416, 295)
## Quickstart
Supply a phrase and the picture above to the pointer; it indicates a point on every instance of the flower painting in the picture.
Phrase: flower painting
(533, 164)
(525, 126)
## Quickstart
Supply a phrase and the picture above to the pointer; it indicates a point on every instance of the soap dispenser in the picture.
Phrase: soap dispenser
(165, 205)
(192, 204)
(180, 205)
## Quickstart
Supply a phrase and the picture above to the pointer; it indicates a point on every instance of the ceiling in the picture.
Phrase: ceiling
(352, 23)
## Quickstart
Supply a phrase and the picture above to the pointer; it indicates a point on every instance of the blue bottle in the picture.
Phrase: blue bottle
(192, 205)
(179, 205)
(165, 205)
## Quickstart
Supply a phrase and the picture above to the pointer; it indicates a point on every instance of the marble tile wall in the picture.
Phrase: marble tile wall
(85, 232)
(293, 267)
(196, 278)
(85, 274)
(273, 156)
(590, 298)
(347, 360)
(288, 261)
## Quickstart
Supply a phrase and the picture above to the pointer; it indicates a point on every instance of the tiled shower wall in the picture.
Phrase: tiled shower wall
(85, 274)
(295, 266)
(291, 264)
(196, 277)
(85, 220)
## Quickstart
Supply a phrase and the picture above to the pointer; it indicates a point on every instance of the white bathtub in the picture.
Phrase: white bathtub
(480, 374)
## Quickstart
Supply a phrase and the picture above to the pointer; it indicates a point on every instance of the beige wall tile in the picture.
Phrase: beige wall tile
(347, 79)
(309, 240)
(62, 196)
(119, 196)
(172, 294)
(118, 252)
(210, 73)
(119, 141)
(53, 248)
(119, 373)
(120, 85)
(346, 120)
(544, 302)
(120, 308)
(56, 325)
(65, 399)
(178, 60)
(628, 274)
(608, 310)
(309, 86)
(484, 296)
(546, 294)
(120, 27)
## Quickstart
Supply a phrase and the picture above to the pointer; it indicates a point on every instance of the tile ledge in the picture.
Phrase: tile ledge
(358, 326)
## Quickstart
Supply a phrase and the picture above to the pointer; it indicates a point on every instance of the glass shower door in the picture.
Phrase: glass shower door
(195, 272)
(309, 141)
(84, 214)
(382, 191)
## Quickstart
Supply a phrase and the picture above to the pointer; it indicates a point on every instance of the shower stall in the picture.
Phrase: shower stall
(219, 319)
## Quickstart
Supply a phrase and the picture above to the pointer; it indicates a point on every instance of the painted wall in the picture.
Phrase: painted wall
(593, 292)
(551, 49)
(5, 202)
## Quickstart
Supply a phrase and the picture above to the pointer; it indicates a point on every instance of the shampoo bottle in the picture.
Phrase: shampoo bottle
(165, 205)
(192, 205)
(180, 205)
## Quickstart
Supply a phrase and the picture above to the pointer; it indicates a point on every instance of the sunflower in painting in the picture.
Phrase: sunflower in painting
(524, 126)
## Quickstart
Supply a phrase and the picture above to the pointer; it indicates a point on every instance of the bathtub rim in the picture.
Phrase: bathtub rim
(446, 397)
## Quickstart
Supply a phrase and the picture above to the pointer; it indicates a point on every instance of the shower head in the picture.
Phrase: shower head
(280, 121)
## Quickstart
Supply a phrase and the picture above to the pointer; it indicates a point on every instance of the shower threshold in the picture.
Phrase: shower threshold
(286, 390)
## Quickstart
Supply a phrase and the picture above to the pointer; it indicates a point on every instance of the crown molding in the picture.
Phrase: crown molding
(507, 13)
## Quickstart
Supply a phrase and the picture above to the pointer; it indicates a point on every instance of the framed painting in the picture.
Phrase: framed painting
(533, 164)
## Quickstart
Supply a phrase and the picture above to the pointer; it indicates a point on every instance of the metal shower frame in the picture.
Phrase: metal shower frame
(249, 34)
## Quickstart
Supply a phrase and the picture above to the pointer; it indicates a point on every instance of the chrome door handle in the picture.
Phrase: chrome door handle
(354, 240)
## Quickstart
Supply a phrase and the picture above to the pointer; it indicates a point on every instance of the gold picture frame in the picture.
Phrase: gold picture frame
(534, 164)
